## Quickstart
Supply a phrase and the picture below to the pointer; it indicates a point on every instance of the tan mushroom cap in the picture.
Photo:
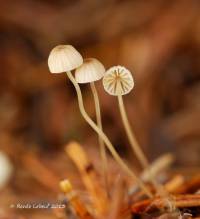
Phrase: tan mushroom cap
(91, 70)
(64, 58)
(118, 81)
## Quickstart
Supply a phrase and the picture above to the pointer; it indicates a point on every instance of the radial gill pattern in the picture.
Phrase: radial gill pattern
(118, 81)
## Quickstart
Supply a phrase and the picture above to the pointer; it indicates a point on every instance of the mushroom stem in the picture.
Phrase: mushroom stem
(101, 143)
(136, 147)
(104, 137)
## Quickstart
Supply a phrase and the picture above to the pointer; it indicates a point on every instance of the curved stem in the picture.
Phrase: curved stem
(101, 143)
(104, 137)
(136, 147)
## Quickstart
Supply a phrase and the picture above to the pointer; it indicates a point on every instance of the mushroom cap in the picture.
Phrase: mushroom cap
(65, 186)
(6, 169)
(118, 81)
(91, 70)
(64, 58)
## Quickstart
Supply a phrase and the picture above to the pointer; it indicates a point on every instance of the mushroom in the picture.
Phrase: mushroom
(6, 169)
(118, 81)
(65, 58)
(90, 71)
(72, 198)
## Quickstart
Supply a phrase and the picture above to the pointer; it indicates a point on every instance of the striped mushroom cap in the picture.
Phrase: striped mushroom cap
(91, 70)
(64, 58)
(118, 81)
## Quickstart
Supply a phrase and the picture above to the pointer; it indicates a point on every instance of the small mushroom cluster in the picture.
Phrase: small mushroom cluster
(117, 81)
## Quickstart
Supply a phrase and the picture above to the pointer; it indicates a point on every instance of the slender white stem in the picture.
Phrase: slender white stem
(135, 145)
(105, 138)
(101, 143)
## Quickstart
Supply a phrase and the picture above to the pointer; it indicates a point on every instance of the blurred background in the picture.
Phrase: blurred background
(159, 41)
